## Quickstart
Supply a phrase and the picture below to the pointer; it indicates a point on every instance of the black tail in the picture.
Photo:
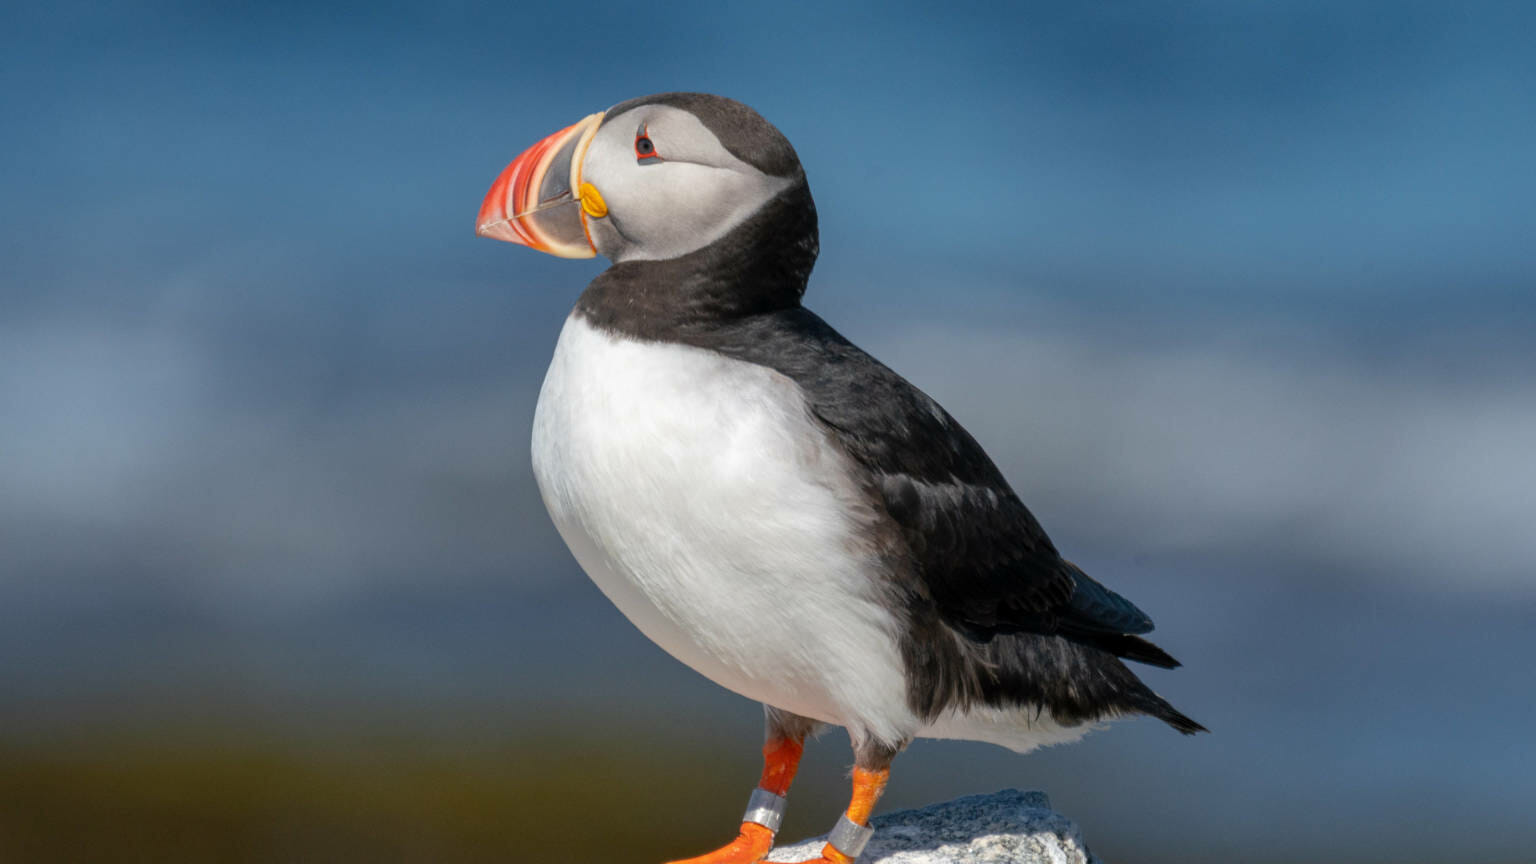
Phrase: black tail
(1077, 677)
(1124, 645)
(1142, 651)
(1158, 707)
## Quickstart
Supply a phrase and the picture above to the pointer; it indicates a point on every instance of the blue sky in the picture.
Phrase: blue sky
(1240, 295)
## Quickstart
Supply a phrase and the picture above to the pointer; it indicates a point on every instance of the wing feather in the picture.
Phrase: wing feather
(984, 559)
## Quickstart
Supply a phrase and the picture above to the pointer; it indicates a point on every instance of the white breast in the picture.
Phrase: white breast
(697, 493)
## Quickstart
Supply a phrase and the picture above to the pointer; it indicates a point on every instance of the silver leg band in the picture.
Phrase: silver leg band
(766, 809)
(849, 837)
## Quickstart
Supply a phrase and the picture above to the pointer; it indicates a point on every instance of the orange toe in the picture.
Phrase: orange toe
(749, 847)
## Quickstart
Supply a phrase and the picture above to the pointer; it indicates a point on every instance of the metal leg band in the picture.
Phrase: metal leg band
(766, 809)
(849, 837)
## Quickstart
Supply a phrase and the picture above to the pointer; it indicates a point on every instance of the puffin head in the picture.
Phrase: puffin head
(675, 177)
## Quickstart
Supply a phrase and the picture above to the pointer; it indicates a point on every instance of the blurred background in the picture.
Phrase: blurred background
(1241, 296)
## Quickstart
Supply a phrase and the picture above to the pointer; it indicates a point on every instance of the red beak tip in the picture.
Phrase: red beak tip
(499, 230)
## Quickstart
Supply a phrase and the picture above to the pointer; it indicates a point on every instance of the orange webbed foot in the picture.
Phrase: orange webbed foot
(749, 847)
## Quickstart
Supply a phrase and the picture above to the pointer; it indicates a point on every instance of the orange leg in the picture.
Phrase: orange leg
(867, 786)
(781, 758)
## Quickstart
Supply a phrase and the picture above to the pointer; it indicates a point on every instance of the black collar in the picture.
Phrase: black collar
(761, 266)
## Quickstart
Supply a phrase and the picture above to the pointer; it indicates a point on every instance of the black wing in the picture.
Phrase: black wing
(982, 556)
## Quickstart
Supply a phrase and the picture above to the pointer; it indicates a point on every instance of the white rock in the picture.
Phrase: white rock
(1007, 827)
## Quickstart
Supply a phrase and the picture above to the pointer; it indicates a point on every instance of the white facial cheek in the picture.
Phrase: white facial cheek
(668, 209)
(607, 241)
(684, 206)
(683, 199)
(604, 172)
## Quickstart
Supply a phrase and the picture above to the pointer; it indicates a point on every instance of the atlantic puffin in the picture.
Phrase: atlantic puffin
(770, 504)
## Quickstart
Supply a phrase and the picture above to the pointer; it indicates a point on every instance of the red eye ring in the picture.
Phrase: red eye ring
(644, 147)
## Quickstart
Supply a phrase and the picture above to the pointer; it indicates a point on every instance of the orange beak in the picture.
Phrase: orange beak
(534, 201)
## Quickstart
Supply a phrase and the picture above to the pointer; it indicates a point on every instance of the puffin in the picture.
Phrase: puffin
(768, 503)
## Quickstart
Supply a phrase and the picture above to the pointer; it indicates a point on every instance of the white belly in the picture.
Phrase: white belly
(697, 493)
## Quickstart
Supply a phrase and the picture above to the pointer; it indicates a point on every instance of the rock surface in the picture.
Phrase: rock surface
(1007, 827)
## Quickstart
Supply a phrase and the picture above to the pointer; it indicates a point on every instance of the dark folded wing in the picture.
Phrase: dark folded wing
(982, 556)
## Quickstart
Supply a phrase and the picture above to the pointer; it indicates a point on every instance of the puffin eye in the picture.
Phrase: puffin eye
(644, 148)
